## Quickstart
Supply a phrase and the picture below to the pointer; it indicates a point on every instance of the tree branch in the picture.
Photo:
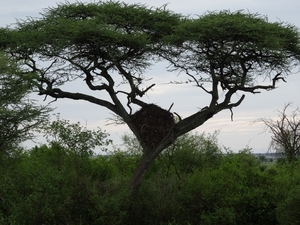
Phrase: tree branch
(58, 93)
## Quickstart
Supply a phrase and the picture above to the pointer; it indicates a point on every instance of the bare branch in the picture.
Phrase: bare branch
(285, 133)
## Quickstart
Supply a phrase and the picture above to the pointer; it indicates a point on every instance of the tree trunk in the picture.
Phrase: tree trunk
(141, 170)
(150, 155)
(178, 129)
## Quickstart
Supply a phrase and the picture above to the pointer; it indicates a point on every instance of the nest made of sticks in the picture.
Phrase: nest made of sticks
(153, 123)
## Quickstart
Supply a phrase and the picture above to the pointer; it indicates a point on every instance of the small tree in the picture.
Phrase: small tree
(109, 45)
(19, 115)
(73, 137)
(285, 133)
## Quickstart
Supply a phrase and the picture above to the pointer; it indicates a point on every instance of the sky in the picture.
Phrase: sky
(237, 134)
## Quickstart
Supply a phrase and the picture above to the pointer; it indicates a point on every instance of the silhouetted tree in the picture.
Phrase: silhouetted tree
(20, 116)
(109, 45)
(285, 131)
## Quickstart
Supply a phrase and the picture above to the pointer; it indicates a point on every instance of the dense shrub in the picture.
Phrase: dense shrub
(192, 182)
(288, 210)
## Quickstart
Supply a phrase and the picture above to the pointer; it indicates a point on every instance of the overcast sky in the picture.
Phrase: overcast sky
(236, 134)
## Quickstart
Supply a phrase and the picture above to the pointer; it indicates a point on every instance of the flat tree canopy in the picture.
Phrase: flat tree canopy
(105, 43)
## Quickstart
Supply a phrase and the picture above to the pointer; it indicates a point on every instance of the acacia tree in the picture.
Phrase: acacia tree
(285, 132)
(109, 45)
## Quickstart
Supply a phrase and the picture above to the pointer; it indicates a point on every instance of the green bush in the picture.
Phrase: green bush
(188, 184)
(55, 186)
(288, 210)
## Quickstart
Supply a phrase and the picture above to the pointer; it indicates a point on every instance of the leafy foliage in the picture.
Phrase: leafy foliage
(109, 45)
(19, 115)
(51, 185)
(235, 47)
(74, 137)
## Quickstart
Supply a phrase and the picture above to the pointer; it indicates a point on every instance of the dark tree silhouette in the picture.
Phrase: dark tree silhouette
(106, 44)
(19, 114)
(285, 133)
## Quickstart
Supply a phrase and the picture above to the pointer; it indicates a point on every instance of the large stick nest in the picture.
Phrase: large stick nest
(153, 123)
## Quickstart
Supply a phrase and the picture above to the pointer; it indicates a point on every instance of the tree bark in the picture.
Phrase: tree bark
(178, 129)
(150, 155)
(141, 170)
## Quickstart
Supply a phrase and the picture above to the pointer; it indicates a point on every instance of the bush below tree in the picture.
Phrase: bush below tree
(192, 182)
